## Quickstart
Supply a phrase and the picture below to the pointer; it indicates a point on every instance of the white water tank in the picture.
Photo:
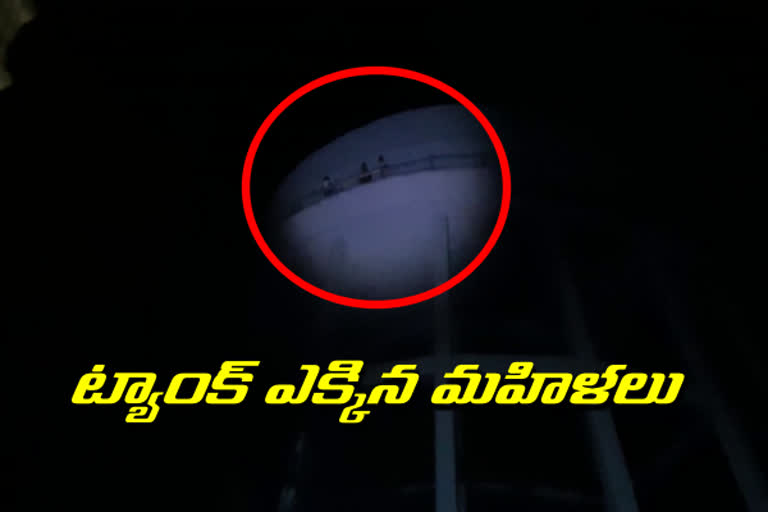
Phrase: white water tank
(380, 212)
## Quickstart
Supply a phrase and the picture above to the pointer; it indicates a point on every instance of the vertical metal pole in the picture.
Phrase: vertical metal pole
(616, 482)
(445, 421)
(336, 280)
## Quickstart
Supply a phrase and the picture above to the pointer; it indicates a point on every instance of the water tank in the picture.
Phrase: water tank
(378, 212)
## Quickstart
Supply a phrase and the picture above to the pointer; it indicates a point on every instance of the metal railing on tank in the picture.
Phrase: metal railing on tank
(331, 187)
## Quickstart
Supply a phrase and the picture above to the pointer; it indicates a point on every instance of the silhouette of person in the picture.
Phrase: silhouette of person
(328, 187)
(365, 174)
(382, 165)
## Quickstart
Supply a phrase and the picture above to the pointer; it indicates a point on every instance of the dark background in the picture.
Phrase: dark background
(123, 138)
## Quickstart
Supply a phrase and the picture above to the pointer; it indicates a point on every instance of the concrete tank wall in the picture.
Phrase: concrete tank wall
(383, 240)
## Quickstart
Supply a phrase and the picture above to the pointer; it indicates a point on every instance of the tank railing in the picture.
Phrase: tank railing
(389, 170)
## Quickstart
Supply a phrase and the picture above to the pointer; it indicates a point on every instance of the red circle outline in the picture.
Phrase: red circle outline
(388, 303)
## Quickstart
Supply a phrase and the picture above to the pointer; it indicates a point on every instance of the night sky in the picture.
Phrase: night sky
(123, 139)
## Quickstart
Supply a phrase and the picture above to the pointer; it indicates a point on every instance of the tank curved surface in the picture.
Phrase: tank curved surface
(385, 210)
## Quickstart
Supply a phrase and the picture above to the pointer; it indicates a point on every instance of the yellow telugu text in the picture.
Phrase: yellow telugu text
(338, 385)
